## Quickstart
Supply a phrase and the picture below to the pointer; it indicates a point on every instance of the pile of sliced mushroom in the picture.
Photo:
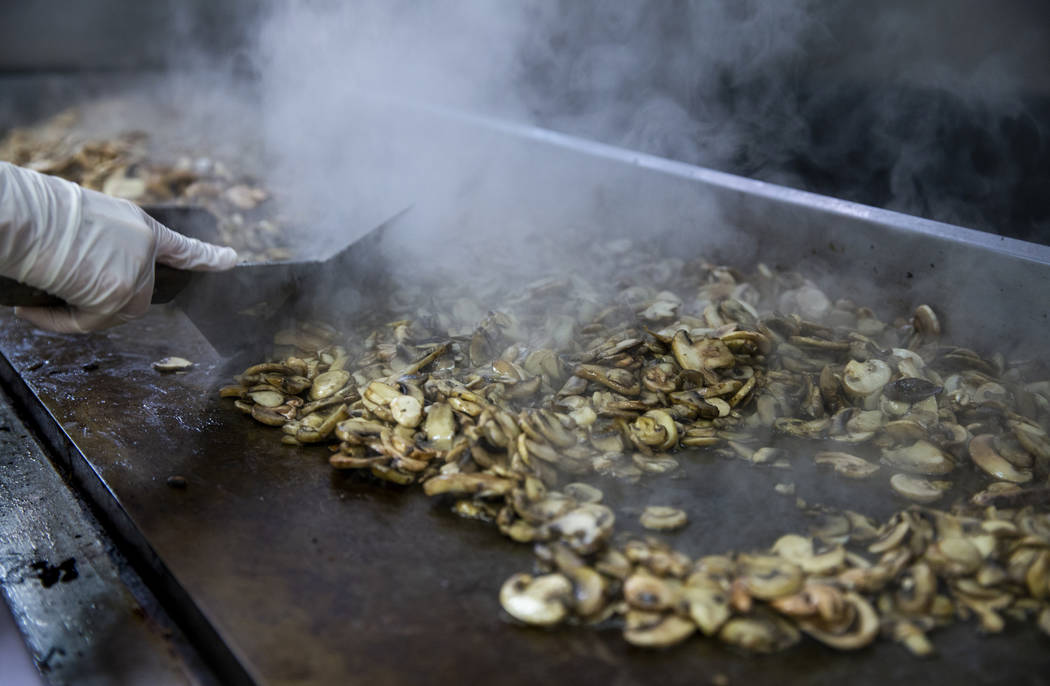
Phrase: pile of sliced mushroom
(510, 413)
(131, 166)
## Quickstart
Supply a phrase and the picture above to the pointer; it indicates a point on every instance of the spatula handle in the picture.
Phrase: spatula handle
(167, 283)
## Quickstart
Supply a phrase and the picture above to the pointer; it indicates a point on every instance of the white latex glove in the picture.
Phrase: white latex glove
(94, 251)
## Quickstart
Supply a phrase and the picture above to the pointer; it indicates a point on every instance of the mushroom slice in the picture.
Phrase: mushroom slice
(619, 380)
(921, 457)
(653, 630)
(707, 353)
(656, 428)
(918, 489)
(588, 593)
(865, 378)
(708, 605)
(1032, 437)
(584, 493)
(267, 415)
(172, 364)
(759, 634)
(328, 383)
(613, 563)
(891, 534)
(917, 586)
(769, 576)
(661, 518)
(540, 601)
(816, 599)
(1044, 620)
(985, 456)
(1012, 451)
(1037, 578)
(440, 426)
(799, 549)
(904, 430)
(267, 398)
(483, 485)
(857, 634)
(909, 635)
(849, 466)
(953, 556)
(647, 592)
(584, 528)
(865, 422)
(910, 390)
(926, 322)
(406, 411)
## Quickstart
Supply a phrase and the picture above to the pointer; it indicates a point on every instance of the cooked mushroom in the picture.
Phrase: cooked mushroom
(918, 489)
(849, 466)
(985, 456)
(662, 518)
(540, 601)
(172, 364)
(861, 631)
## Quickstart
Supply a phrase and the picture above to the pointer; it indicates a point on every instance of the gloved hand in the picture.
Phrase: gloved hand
(94, 251)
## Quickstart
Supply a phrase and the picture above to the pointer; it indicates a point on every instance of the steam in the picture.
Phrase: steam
(903, 107)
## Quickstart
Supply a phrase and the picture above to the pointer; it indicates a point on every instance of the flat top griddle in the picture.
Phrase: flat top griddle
(284, 571)
(292, 573)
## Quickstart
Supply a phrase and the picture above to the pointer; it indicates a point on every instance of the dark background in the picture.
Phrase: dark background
(939, 109)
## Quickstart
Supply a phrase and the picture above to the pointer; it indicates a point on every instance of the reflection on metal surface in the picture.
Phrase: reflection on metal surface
(84, 615)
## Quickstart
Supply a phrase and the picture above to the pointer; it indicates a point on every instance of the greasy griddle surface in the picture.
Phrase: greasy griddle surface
(314, 576)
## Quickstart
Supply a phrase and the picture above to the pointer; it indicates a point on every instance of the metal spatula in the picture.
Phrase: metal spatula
(232, 308)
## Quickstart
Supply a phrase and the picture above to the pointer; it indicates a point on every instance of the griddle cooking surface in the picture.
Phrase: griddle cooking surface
(313, 576)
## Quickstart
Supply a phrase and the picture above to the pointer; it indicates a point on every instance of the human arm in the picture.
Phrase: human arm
(95, 252)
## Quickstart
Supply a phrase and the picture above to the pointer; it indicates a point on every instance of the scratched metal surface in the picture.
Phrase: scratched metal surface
(84, 617)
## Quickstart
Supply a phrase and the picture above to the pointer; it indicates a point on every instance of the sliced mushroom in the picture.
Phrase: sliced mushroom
(849, 466)
(918, 489)
(799, 549)
(707, 353)
(926, 322)
(817, 599)
(953, 556)
(761, 634)
(910, 390)
(708, 606)
(584, 528)
(406, 411)
(1044, 620)
(912, 637)
(985, 456)
(865, 378)
(1032, 437)
(584, 493)
(652, 630)
(647, 592)
(859, 633)
(656, 428)
(440, 426)
(588, 595)
(921, 457)
(769, 576)
(916, 588)
(326, 384)
(172, 364)
(267, 415)
(481, 484)
(267, 398)
(540, 601)
(661, 518)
